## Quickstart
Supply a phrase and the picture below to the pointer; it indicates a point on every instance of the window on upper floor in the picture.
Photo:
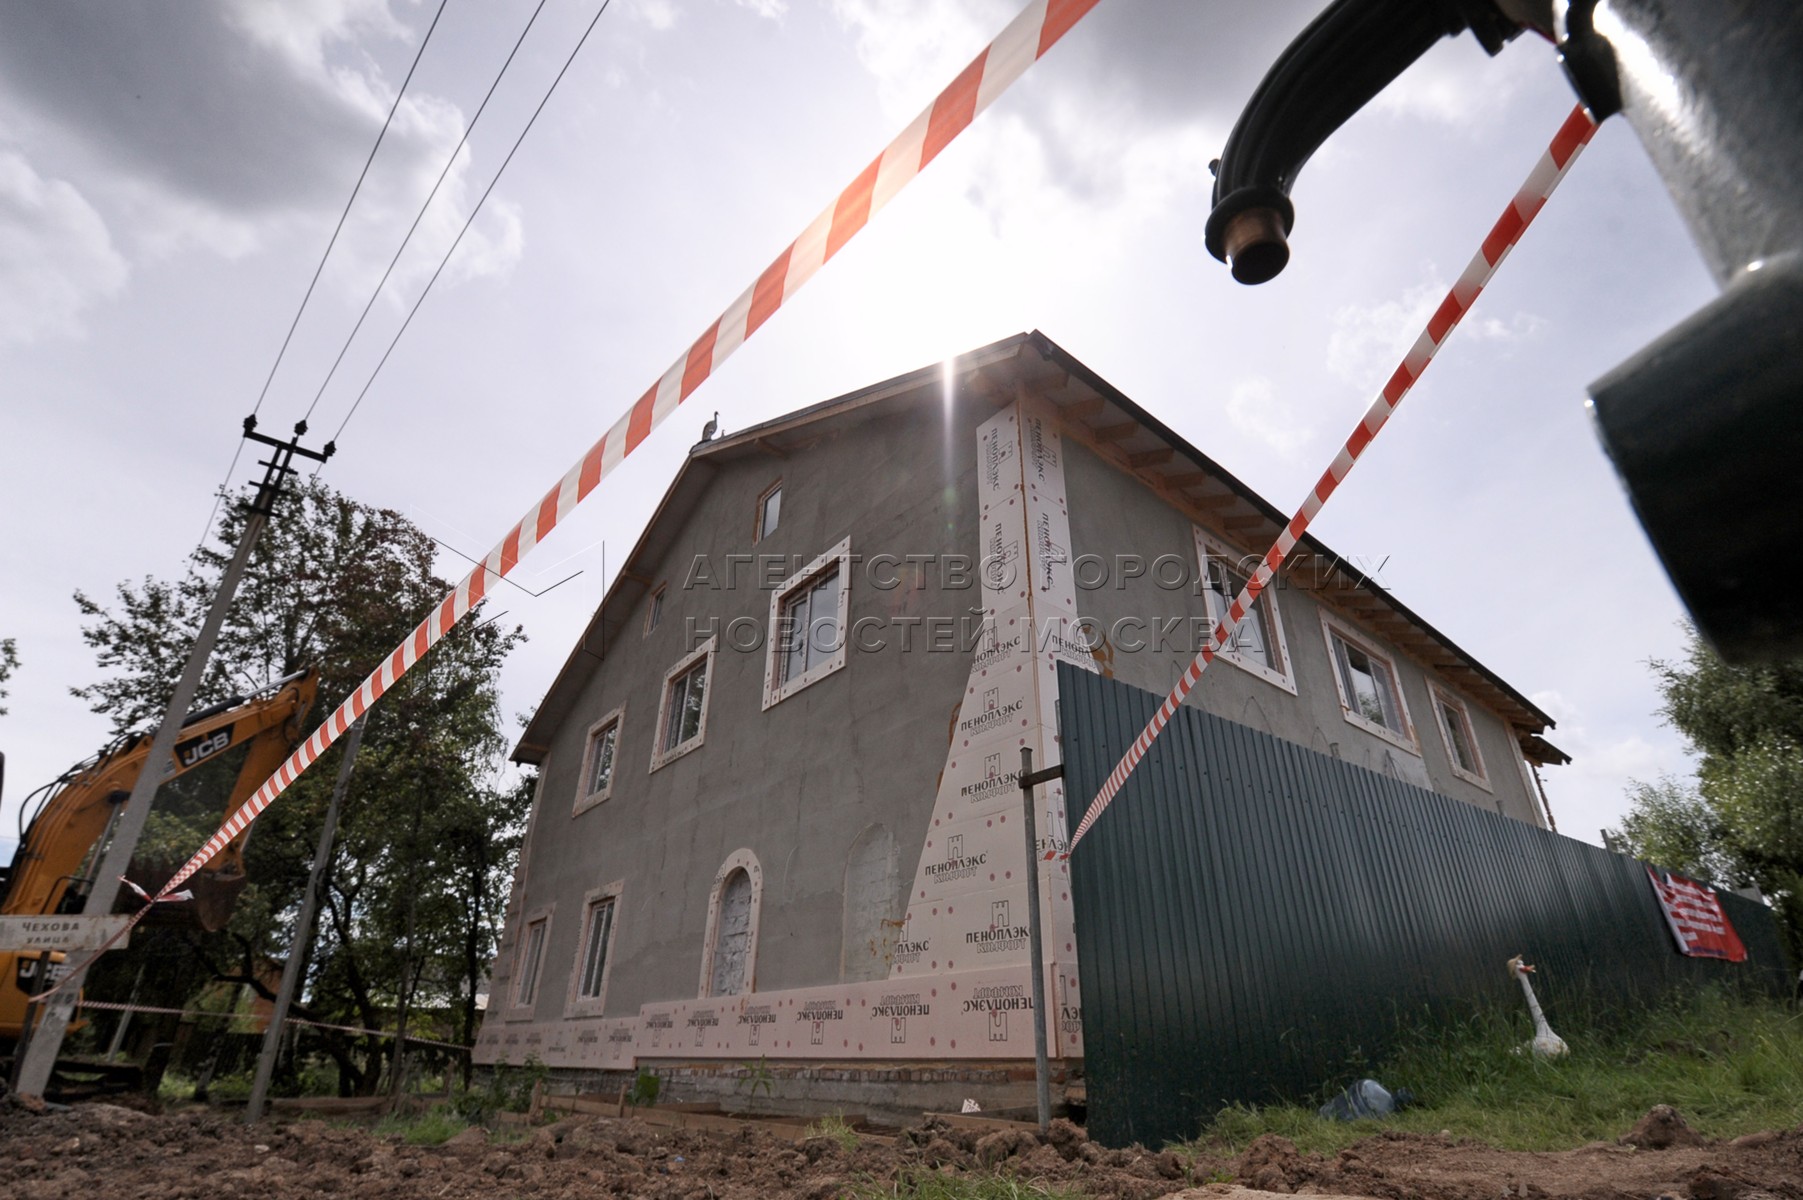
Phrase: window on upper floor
(682, 716)
(769, 512)
(601, 750)
(1370, 690)
(654, 610)
(807, 625)
(1457, 732)
(1258, 644)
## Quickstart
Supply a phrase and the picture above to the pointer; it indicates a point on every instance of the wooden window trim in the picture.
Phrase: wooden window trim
(757, 513)
(522, 1009)
(585, 799)
(776, 689)
(741, 859)
(1208, 545)
(1405, 738)
(654, 609)
(661, 757)
(1441, 696)
(575, 1003)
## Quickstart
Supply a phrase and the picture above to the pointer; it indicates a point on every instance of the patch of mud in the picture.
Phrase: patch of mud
(103, 1152)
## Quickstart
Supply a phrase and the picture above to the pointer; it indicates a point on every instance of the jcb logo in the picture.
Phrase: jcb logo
(198, 750)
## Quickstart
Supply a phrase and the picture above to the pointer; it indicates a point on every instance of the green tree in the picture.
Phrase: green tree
(9, 662)
(426, 843)
(1743, 821)
(1670, 824)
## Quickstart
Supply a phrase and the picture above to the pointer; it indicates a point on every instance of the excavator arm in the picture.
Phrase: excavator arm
(52, 870)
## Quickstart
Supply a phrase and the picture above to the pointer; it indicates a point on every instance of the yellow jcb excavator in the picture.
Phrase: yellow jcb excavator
(61, 843)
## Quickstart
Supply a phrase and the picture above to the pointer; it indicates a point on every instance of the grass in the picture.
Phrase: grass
(834, 1127)
(433, 1127)
(1730, 1066)
(932, 1185)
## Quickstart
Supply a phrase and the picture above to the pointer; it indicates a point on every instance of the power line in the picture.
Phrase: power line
(449, 163)
(393, 108)
(218, 495)
(472, 217)
(225, 484)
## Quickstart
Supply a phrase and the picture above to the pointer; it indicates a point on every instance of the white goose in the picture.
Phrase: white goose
(1546, 1043)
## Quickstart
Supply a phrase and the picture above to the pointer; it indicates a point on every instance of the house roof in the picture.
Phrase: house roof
(1114, 427)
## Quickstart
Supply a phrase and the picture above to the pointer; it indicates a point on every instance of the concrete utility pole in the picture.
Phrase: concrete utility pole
(303, 930)
(1042, 1081)
(37, 1059)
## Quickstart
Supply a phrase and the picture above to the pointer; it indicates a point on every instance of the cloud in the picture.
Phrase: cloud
(912, 48)
(1456, 83)
(1255, 409)
(302, 32)
(225, 124)
(770, 10)
(1518, 328)
(1126, 130)
(56, 256)
(182, 97)
(659, 14)
(1591, 791)
(1368, 341)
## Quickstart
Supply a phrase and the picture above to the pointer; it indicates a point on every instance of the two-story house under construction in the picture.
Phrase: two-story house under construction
(776, 819)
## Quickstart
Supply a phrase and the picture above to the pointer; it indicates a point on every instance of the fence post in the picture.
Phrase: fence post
(1042, 1084)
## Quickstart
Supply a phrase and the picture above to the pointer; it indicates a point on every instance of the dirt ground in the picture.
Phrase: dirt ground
(103, 1152)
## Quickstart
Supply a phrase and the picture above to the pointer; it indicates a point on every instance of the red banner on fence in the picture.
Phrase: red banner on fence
(1696, 917)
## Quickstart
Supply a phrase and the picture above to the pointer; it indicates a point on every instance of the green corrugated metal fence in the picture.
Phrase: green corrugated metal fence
(1253, 917)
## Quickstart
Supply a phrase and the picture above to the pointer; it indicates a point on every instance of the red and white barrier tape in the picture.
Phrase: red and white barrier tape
(109, 1006)
(159, 898)
(1571, 138)
(1019, 46)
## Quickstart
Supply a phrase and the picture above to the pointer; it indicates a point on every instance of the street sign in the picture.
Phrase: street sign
(65, 933)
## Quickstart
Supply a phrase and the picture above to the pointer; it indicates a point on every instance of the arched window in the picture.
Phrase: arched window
(729, 958)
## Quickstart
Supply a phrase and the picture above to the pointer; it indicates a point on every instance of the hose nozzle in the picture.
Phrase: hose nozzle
(1256, 246)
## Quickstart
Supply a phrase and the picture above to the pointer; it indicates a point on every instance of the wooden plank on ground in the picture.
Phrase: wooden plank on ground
(698, 1115)
(333, 1105)
(985, 1124)
(667, 1118)
(587, 1104)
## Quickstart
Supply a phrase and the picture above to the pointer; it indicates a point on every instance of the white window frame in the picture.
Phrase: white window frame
(576, 1004)
(757, 526)
(1332, 627)
(521, 1008)
(1208, 546)
(776, 690)
(741, 859)
(1444, 699)
(586, 799)
(661, 757)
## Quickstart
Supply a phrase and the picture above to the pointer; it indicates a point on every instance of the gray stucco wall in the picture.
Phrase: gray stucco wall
(1113, 515)
(849, 761)
(842, 774)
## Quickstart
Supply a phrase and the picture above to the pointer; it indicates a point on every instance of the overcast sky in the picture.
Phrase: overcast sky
(170, 173)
